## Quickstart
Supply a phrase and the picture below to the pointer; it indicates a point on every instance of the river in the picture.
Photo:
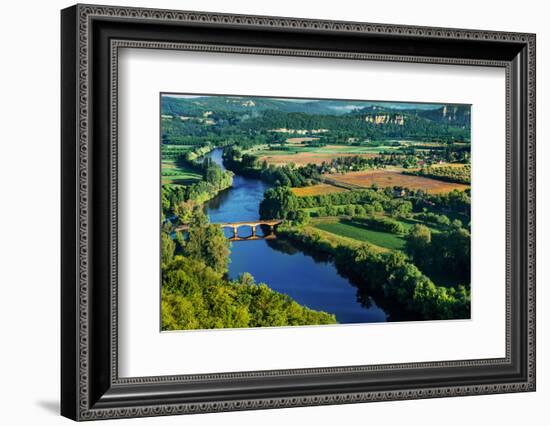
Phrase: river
(311, 281)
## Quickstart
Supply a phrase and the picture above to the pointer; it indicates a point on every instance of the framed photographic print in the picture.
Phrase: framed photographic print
(263, 212)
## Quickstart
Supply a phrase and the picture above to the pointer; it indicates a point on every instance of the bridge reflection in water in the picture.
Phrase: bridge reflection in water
(252, 224)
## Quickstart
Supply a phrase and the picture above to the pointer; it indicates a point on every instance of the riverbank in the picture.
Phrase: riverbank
(388, 275)
(178, 200)
(285, 268)
(397, 285)
(194, 296)
(198, 290)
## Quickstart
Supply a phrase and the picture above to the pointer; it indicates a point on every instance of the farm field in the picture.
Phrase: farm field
(349, 149)
(173, 172)
(177, 174)
(303, 158)
(319, 189)
(335, 239)
(291, 148)
(391, 178)
(453, 165)
(358, 232)
(294, 151)
(171, 152)
(300, 141)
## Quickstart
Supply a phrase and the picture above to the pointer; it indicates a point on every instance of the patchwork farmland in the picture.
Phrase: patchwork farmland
(319, 189)
(391, 178)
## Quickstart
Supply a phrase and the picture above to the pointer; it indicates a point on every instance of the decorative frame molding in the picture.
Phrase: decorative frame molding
(91, 388)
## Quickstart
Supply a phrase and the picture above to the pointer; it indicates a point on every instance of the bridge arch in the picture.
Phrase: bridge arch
(252, 224)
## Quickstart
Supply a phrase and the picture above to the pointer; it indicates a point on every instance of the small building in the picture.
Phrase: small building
(399, 192)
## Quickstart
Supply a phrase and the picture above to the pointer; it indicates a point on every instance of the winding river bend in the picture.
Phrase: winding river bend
(311, 281)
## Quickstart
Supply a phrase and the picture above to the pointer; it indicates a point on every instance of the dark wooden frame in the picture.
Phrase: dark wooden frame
(91, 37)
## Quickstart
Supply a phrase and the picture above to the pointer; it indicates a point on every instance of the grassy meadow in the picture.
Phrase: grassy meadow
(348, 228)
(173, 173)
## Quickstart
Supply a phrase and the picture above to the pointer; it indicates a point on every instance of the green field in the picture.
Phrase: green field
(173, 171)
(172, 152)
(177, 173)
(329, 149)
(360, 232)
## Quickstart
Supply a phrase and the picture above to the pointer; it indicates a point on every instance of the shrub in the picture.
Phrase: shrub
(381, 224)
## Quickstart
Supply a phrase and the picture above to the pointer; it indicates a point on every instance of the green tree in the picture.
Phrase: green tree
(377, 206)
(184, 211)
(206, 242)
(213, 175)
(453, 248)
(417, 243)
(279, 203)
(302, 217)
(178, 312)
(246, 279)
(167, 247)
(456, 223)
(249, 161)
(360, 210)
(349, 210)
(400, 208)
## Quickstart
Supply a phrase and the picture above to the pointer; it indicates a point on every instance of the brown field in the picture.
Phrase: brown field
(303, 158)
(319, 189)
(385, 178)
(454, 165)
(413, 143)
(300, 141)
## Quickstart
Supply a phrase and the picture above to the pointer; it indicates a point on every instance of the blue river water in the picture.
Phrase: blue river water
(311, 281)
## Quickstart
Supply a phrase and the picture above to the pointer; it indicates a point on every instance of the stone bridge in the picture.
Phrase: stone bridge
(252, 224)
(236, 225)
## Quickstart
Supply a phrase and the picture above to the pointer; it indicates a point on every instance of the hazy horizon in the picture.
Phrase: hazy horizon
(346, 104)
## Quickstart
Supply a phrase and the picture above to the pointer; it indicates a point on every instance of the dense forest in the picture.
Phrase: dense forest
(196, 293)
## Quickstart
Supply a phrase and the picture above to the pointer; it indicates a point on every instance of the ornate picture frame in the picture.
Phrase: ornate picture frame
(91, 37)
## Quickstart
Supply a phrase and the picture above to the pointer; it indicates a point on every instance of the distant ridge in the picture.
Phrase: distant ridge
(198, 104)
